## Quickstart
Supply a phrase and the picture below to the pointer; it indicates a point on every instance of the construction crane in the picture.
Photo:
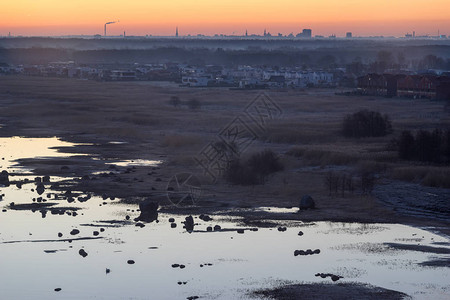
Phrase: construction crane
(107, 23)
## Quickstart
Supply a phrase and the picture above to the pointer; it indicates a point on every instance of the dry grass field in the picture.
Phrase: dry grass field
(307, 137)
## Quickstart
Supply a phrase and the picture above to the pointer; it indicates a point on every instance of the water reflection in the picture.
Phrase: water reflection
(137, 162)
(85, 244)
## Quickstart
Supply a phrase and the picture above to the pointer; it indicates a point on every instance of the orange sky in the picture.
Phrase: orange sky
(140, 17)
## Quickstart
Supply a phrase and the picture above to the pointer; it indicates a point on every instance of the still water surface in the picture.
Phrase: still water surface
(218, 265)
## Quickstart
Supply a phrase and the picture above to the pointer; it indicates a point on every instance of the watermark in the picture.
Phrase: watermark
(184, 189)
(237, 136)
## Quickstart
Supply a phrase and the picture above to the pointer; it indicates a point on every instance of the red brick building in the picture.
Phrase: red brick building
(413, 86)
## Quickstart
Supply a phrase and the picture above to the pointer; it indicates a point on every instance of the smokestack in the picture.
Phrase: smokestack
(110, 23)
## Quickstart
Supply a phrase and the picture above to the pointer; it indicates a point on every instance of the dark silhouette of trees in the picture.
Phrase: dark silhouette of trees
(425, 146)
(432, 62)
(254, 170)
(339, 181)
(366, 124)
(406, 146)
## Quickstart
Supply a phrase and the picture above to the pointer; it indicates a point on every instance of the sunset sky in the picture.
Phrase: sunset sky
(141, 17)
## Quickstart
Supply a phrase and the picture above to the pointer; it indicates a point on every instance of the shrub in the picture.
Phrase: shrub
(425, 146)
(366, 124)
(338, 181)
(253, 170)
(367, 182)
(406, 145)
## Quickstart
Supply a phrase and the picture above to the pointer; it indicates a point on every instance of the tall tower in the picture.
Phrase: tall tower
(246, 33)
(265, 33)
(176, 32)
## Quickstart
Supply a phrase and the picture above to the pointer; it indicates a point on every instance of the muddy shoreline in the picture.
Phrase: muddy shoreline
(124, 156)
(32, 112)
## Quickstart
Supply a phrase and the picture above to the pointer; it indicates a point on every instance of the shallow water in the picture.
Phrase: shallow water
(137, 162)
(32, 267)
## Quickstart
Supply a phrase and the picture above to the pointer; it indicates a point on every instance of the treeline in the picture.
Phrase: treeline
(357, 58)
(338, 184)
(426, 146)
(366, 123)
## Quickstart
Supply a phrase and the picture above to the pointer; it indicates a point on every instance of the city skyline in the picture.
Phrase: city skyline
(325, 17)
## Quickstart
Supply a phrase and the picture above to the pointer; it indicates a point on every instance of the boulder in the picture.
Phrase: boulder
(189, 224)
(149, 211)
(82, 253)
(40, 188)
(4, 178)
(306, 202)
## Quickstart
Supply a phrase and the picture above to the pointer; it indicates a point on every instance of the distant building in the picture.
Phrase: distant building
(176, 32)
(123, 75)
(196, 80)
(348, 35)
(307, 33)
(277, 81)
(412, 86)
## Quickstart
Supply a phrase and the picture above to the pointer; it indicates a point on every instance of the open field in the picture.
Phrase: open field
(377, 219)
(306, 137)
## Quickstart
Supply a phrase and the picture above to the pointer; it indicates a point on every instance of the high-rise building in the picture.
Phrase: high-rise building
(176, 32)
(306, 33)
(348, 35)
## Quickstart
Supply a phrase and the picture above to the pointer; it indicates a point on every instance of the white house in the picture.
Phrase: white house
(123, 75)
(196, 80)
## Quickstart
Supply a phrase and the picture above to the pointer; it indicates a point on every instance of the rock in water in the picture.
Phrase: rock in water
(82, 253)
(189, 224)
(40, 188)
(306, 202)
(4, 178)
(149, 211)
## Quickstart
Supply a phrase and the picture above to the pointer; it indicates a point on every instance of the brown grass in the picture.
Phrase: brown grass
(323, 157)
(178, 141)
(426, 175)
(138, 113)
